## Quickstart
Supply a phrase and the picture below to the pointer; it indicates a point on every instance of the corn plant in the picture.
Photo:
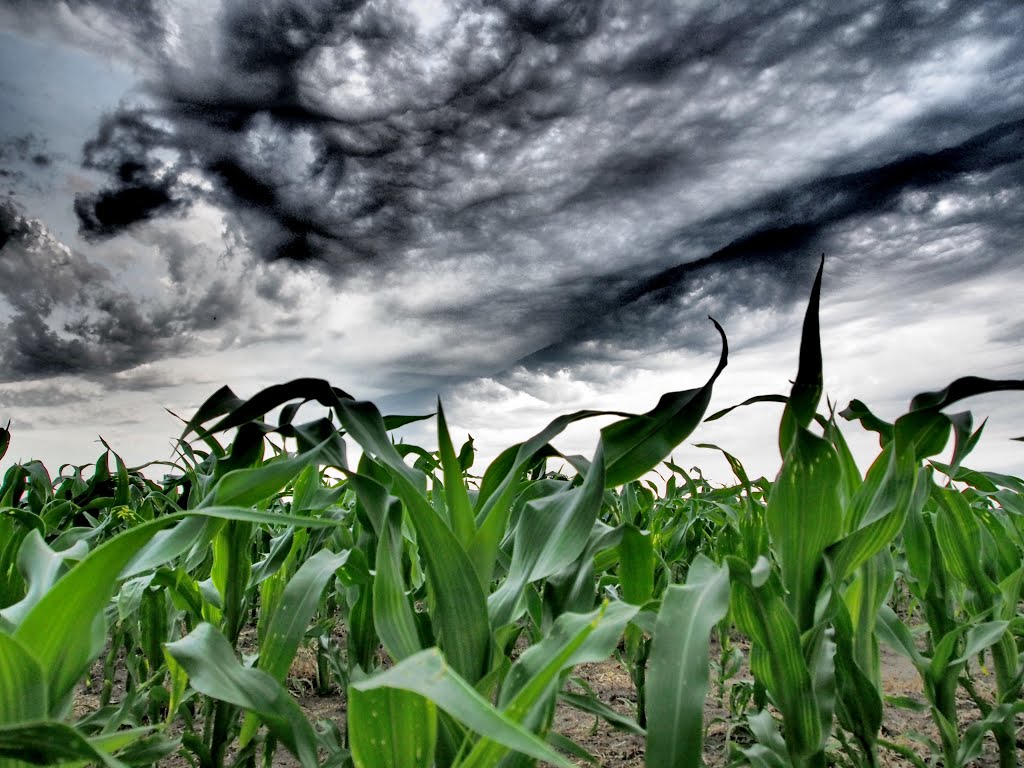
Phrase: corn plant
(466, 602)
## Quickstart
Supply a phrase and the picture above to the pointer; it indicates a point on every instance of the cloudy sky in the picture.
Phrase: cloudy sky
(527, 206)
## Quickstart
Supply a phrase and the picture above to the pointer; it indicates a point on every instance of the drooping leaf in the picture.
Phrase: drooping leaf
(213, 670)
(552, 532)
(427, 674)
(637, 444)
(49, 742)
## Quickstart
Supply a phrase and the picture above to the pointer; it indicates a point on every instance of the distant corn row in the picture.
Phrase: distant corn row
(450, 609)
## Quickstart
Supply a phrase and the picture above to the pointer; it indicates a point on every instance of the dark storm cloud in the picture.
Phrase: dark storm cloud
(111, 211)
(773, 265)
(68, 315)
(601, 170)
(803, 215)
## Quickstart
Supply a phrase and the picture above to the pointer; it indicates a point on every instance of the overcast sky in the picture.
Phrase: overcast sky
(527, 206)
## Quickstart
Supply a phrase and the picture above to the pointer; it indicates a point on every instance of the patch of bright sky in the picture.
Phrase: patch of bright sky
(58, 92)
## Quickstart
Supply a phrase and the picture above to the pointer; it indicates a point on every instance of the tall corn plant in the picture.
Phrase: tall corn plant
(963, 565)
(52, 634)
(812, 604)
(471, 601)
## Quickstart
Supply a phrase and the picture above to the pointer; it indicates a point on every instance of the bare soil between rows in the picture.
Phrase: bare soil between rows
(614, 748)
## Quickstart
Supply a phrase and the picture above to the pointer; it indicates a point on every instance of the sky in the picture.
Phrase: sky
(523, 207)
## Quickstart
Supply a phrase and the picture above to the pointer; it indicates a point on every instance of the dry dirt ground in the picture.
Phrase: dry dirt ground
(618, 749)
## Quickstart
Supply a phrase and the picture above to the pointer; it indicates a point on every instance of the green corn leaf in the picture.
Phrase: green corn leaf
(178, 685)
(857, 411)
(959, 538)
(195, 526)
(804, 517)
(917, 541)
(288, 625)
(308, 494)
(460, 510)
(592, 705)
(677, 677)
(880, 509)
(599, 632)
(924, 432)
(895, 634)
(165, 545)
(23, 689)
(859, 699)
(221, 402)
(637, 561)
(551, 533)
(499, 487)
(65, 628)
(427, 674)
(637, 444)
(821, 662)
(749, 401)
(770, 750)
(392, 421)
(392, 614)
(532, 682)
(41, 567)
(864, 597)
(852, 480)
(248, 487)
(807, 387)
(237, 413)
(778, 651)
(371, 493)
(30, 520)
(982, 636)
(142, 746)
(123, 487)
(213, 670)
(964, 439)
(49, 743)
(968, 386)
(230, 573)
(972, 743)
(391, 728)
(459, 606)
(467, 454)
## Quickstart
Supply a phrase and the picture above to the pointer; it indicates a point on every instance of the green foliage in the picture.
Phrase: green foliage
(455, 607)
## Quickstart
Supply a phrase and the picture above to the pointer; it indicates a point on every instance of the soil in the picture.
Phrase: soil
(613, 748)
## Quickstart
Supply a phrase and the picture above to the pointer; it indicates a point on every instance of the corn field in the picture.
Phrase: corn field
(447, 609)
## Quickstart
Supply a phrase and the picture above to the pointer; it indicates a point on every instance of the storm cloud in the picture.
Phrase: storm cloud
(371, 136)
(512, 191)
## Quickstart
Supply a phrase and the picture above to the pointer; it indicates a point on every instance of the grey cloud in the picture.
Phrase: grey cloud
(45, 396)
(111, 211)
(314, 169)
(68, 315)
(747, 266)
(26, 148)
(23, 157)
(358, 139)
(771, 266)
